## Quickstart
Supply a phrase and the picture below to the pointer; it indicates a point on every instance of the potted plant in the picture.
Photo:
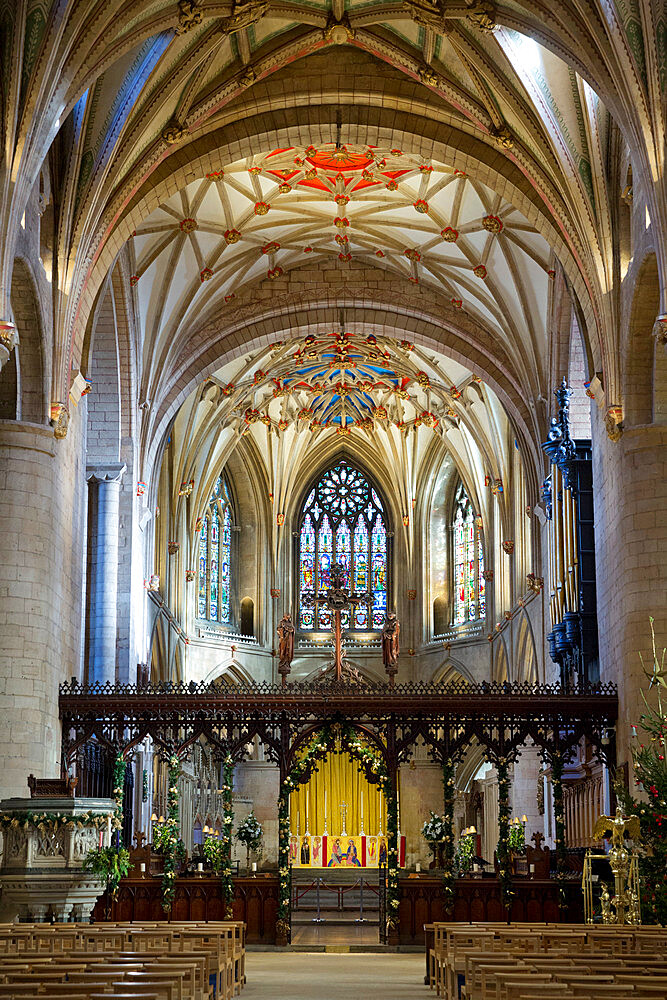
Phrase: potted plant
(109, 865)
(250, 833)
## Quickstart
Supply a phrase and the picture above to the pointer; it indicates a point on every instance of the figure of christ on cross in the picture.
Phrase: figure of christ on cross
(337, 600)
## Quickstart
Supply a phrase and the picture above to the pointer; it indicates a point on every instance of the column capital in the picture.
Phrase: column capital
(105, 472)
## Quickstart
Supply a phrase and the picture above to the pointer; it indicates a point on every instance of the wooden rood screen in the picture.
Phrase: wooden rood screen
(499, 717)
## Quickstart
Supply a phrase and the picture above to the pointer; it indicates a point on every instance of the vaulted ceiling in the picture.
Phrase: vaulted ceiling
(146, 99)
(248, 222)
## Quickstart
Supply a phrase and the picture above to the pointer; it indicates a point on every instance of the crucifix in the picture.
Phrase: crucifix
(343, 818)
(337, 600)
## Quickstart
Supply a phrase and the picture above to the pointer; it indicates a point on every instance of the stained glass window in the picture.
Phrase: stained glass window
(215, 550)
(343, 521)
(469, 591)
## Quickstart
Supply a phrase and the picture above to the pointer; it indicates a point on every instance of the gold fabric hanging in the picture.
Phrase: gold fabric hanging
(339, 776)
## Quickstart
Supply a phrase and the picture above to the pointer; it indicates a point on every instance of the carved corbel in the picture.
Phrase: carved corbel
(59, 419)
(338, 31)
(613, 422)
(502, 136)
(9, 338)
(248, 77)
(660, 331)
(190, 14)
(429, 77)
(173, 133)
(426, 14)
(244, 15)
(483, 17)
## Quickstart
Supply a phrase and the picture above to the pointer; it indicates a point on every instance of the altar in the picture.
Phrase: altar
(341, 851)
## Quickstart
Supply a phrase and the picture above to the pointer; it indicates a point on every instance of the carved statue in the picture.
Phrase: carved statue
(285, 631)
(390, 645)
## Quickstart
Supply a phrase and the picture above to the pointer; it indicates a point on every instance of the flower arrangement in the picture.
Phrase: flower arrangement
(250, 833)
(434, 829)
(650, 765)
(503, 848)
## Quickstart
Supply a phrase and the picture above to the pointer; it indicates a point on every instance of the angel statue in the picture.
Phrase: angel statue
(619, 825)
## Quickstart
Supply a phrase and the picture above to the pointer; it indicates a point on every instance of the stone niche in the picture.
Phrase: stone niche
(41, 872)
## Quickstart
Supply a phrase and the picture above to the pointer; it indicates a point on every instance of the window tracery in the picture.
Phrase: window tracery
(469, 582)
(343, 520)
(215, 543)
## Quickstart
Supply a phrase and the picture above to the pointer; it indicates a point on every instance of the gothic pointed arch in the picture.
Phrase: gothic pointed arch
(214, 575)
(469, 585)
(343, 518)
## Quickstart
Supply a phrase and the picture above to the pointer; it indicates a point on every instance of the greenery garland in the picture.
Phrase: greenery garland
(169, 843)
(503, 848)
(119, 769)
(393, 888)
(52, 821)
(559, 824)
(448, 876)
(227, 822)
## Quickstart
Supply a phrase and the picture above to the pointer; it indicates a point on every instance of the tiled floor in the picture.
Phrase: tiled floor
(318, 976)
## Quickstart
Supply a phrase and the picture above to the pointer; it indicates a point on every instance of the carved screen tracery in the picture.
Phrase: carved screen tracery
(215, 543)
(343, 520)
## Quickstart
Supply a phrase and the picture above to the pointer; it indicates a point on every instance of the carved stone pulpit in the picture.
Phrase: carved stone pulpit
(45, 842)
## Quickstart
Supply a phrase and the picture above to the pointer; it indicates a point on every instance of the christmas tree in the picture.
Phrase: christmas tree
(651, 776)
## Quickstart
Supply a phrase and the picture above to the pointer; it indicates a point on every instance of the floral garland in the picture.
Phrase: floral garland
(169, 842)
(227, 822)
(503, 848)
(448, 877)
(52, 821)
(393, 888)
(559, 824)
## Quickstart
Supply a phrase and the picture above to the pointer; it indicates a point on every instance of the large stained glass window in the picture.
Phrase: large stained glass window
(343, 521)
(215, 545)
(469, 590)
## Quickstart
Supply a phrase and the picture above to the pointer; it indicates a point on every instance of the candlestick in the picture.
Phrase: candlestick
(307, 810)
(325, 813)
(361, 830)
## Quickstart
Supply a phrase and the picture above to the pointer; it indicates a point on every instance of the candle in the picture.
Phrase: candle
(254, 866)
(362, 809)
(142, 867)
(200, 866)
(532, 869)
(307, 809)
(418, 867)
(108, 831)
(325, 809)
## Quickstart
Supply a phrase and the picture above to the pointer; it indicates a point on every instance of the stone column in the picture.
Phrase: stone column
(104, 494)
(42, 519)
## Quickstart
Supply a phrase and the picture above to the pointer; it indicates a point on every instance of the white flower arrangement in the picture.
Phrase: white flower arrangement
(434, 829)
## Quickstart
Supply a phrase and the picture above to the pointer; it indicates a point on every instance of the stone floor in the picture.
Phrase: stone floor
(319, 976)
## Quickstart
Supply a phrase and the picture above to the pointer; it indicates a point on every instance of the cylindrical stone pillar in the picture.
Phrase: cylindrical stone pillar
(104, 489)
